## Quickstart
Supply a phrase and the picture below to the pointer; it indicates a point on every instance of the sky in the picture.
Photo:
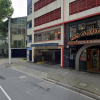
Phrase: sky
(20, 8)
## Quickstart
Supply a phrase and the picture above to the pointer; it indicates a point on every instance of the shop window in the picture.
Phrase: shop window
(72, 31)
(83, 56)
(91, 25)
(52, 35)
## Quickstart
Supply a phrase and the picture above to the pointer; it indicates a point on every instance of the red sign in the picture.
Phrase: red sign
(87, 33)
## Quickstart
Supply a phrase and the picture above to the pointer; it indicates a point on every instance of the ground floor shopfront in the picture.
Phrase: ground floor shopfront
(82, 44)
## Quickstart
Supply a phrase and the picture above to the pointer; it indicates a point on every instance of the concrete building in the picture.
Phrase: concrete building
(64, 31)
(18, 36)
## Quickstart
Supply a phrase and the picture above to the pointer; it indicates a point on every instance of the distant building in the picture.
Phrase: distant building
(18, 36)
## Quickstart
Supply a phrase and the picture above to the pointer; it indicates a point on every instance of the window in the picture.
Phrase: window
(72, 30)
(52, 35)
(39, 37)
(57, 34)
(98, 23)
(91, 25)
(35, 38)
(29, 24)
(30, 38)
(51, 16)
(81, 27)
(19, 44)
(15, 44)
(41, 3)
(81, 5)
(49, 35)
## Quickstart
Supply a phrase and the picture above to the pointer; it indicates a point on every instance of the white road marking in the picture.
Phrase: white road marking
(5, 93)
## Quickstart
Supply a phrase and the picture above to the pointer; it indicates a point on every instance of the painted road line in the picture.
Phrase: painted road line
(5, 93)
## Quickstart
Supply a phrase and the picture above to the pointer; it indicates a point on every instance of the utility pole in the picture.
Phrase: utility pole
(9, 40)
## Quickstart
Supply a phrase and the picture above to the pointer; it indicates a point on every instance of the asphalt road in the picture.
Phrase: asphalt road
(15, 85)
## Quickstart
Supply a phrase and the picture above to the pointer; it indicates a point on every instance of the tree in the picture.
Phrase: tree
(6, 9)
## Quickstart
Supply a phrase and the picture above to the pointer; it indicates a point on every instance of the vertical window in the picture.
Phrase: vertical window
(98, 23)
(35, 38)
(15, 44)
(81, 27)
(72, 31)
(39, 37)
(52, 35)
(30, 38)
(19, 44)
(29, 24)
(91, 25)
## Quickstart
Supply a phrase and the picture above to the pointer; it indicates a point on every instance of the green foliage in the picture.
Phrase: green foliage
(3, 31)
(6, 9)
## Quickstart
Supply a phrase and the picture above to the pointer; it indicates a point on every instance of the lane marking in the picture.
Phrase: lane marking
(5, 93)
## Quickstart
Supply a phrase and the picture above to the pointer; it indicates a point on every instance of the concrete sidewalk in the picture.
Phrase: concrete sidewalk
(82, 82)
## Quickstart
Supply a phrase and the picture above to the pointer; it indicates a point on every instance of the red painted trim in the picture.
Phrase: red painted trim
(63, 35)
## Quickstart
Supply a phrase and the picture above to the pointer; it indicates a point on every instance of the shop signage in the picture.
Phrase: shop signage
(84, 42)
(87, 33)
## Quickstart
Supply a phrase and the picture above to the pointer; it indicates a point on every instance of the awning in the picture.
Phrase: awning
(44, 44)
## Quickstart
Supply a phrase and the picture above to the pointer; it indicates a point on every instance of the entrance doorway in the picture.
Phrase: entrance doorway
(93, 60)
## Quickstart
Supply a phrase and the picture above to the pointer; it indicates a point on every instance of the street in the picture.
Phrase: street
(15, 85)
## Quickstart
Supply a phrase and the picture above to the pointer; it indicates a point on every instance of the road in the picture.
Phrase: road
(15, 85)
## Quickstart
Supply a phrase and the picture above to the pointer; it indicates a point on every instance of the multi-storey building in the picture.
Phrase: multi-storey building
(18, 36)
(65, 31)
(46, 30)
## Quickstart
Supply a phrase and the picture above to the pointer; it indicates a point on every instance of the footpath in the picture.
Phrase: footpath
(81, 82)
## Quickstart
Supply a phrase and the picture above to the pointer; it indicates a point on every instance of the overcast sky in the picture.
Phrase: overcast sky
(20, 8)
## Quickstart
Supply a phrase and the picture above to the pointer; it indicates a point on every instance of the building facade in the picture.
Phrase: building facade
(82, 36)
(46, 31)
(18, 36)
(65, 31)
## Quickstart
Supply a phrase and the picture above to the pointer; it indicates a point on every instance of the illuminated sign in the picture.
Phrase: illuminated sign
(87, 33)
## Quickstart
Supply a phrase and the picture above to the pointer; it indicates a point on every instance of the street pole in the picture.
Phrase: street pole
(9, 40)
